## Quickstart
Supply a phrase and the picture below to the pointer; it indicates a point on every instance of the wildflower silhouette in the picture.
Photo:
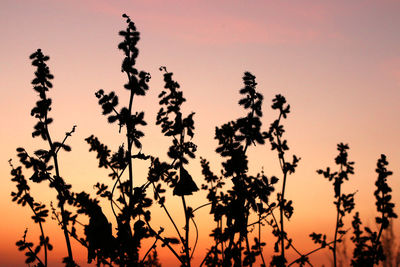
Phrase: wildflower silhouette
(241, 204)
(368, 247)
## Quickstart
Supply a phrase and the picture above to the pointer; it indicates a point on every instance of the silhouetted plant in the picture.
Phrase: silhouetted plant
(368, 247)
(173, 124)
(241, 204)
(275, 136)
(40, 164)
(132, 203)
(249, 194)
(232, 209)
(40, 212)
(344, 202)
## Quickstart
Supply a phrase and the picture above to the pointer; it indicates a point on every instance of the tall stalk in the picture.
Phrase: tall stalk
(275, 135)
(41, 85)
(60, 192)
(344, 203)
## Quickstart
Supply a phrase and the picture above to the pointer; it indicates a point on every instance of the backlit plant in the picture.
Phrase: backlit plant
(243, 205)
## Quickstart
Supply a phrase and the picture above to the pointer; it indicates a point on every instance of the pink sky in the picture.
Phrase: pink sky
(337, 63)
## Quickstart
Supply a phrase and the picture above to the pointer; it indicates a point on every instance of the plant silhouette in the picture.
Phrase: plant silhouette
(243, 205)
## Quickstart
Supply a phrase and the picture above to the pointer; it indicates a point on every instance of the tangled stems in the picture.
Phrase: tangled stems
(232, 206)
(304, 257)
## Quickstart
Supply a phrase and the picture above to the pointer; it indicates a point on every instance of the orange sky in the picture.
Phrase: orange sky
(337, 63)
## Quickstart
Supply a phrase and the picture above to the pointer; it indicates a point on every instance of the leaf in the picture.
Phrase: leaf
(274, 180)
(185, 185)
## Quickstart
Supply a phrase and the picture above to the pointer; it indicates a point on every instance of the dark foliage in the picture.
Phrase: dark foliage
(344, 202)
(242, 204)
(368, 246)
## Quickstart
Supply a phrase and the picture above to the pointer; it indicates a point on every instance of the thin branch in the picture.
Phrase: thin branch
(37, 258)
(164, 242)
(59, 190)
(168, 214)
(197, 236)
(68, 134)
(148, 251)
(317, 249)
(202, 206)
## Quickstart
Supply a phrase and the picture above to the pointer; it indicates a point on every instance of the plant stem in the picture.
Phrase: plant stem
(186, 243)
(129, 152)
(375, 244)
(336, 231)
(315, 250)
(282, 198)
(59, 190)
(42, 234)
(246, 237)
(222, 243)
(168, 214)
(201, 206)
(39, 260)
(259, 238)
(148, 251)
(129, 155)
(166, 243)
(337, 221)
(282, 232)
(197, 236)
(76, 238)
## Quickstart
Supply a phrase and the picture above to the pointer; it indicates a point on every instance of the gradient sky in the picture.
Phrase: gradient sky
(336, 62)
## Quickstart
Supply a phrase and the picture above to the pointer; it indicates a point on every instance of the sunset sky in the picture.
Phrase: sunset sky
(336, 62)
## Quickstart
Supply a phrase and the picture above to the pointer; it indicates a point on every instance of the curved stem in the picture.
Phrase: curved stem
(197, 236)
(118, 180)
(165, 243)
(202, 206)
(112, 193)
(148, 251)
